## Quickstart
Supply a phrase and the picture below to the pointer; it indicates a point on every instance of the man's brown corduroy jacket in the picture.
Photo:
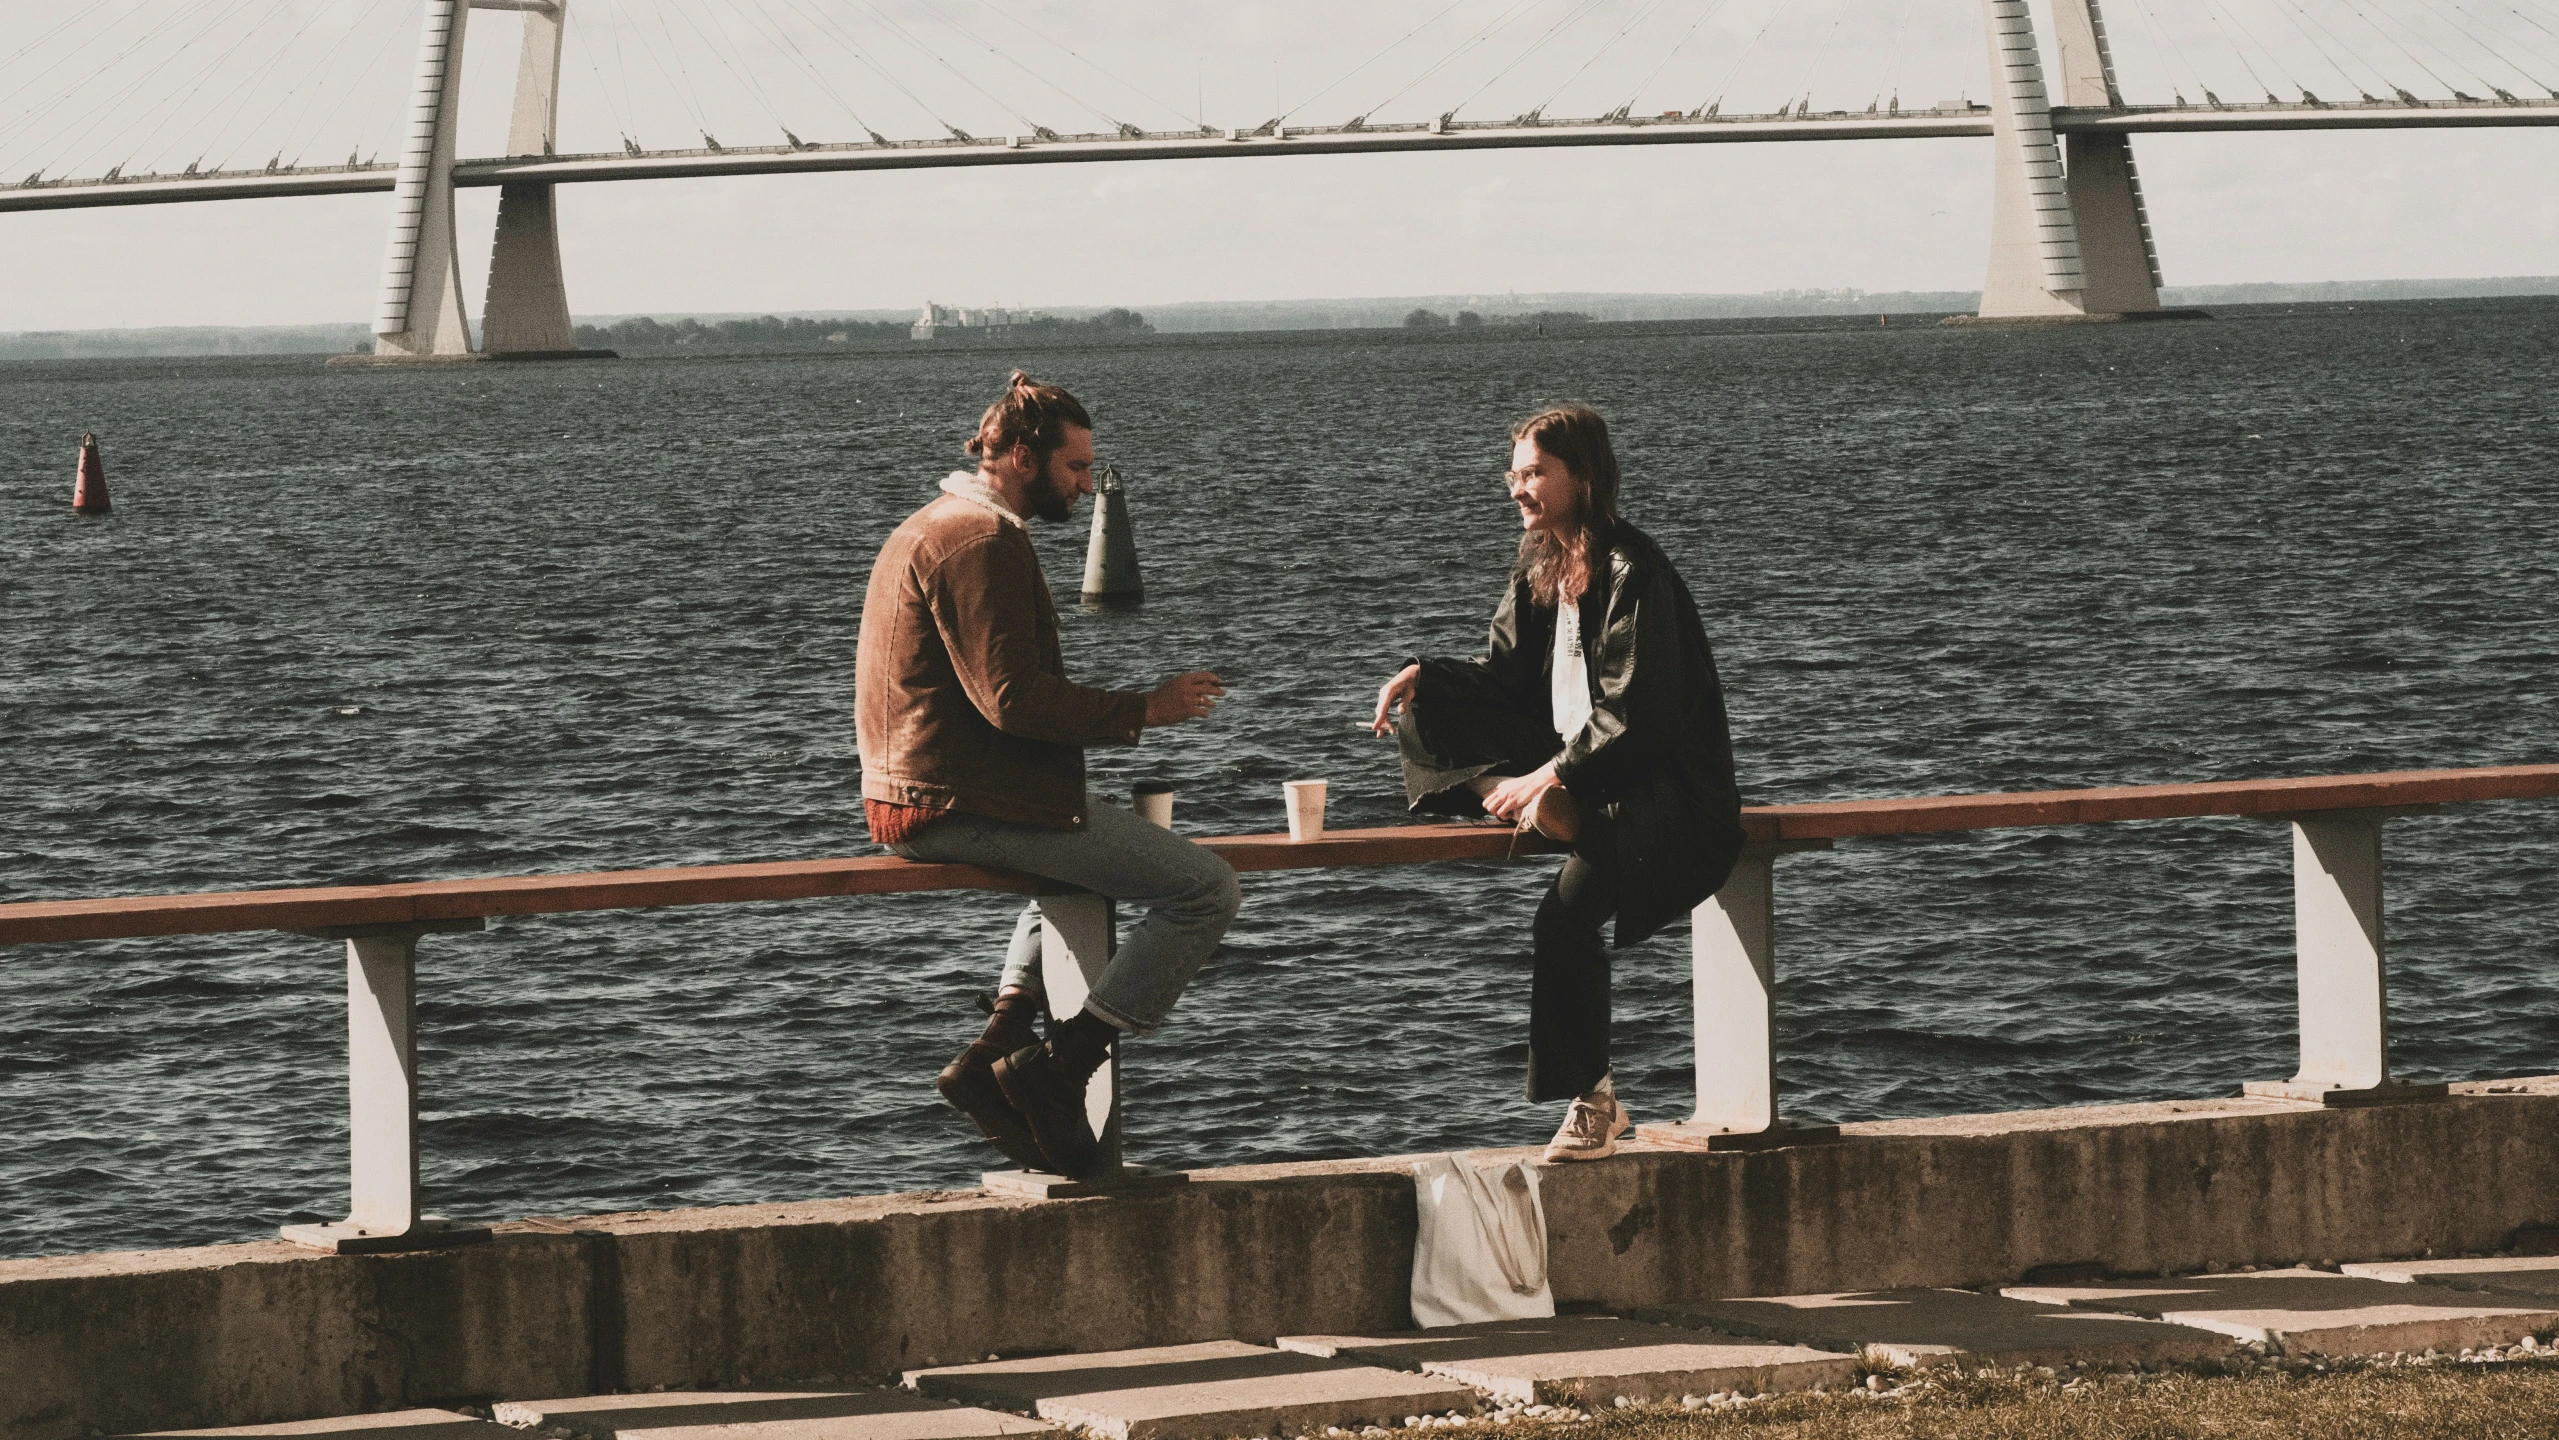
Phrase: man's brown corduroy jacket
(961, 700)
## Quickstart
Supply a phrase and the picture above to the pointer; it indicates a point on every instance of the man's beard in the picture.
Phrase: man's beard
(1051, 500)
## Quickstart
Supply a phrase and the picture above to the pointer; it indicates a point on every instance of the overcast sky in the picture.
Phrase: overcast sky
(156, 84)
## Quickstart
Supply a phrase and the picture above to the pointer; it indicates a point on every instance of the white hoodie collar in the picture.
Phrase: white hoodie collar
(965, 485)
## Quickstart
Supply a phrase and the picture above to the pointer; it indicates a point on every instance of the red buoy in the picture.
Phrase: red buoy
(89, 496)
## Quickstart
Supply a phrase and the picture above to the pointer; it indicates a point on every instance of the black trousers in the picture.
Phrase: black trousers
(1448, 742)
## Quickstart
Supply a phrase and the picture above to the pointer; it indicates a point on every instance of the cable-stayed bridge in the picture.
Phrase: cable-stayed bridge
(2070, 233)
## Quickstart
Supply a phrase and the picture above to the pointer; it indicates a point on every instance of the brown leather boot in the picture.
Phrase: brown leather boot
(1046, 1083)
(968, 1082)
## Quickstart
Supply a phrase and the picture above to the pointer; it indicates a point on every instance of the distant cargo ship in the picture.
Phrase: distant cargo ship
(989, 322)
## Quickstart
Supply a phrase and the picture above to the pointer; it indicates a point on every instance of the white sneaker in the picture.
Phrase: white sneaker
(1590, 1128)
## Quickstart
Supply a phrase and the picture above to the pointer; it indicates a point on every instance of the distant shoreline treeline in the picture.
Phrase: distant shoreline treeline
(643, 335)
(773, 332)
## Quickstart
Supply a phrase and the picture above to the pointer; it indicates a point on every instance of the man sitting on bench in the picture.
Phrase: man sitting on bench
(972, 742)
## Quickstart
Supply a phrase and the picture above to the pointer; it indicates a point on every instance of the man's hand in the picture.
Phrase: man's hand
(1393, 694)
(1184, 697)
(1509, 798)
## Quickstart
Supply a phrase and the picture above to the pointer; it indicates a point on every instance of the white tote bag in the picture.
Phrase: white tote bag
(1481, 1254)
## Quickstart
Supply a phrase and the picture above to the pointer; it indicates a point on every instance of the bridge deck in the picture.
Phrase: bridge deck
(440, 900)
(1051, 149)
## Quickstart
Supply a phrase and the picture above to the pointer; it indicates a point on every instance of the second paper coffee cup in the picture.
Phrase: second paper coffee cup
(1305, 800)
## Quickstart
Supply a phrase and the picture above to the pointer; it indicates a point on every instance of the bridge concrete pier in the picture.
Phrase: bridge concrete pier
(527, 313)
(421, 315)
(2116, 251)
(2068, 242)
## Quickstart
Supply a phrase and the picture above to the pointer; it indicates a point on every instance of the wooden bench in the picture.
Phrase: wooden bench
(2336, 824)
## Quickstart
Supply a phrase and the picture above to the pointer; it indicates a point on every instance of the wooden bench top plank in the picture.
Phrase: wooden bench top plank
(315, 908)
(1842, 819)
(318, 907)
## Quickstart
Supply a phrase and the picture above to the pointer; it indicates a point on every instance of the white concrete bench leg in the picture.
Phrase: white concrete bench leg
(2342, 963)
(382, 1100)
(1733, 950)
(1078, 935)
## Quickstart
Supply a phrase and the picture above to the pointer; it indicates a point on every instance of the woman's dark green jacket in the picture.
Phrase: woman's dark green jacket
(1656, 755)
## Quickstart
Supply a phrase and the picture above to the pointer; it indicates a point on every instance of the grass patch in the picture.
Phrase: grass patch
(2441, 1401)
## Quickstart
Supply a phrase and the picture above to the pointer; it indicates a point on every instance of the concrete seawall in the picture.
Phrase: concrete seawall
(244, 1334)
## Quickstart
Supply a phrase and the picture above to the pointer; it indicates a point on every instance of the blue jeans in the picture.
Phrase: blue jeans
(1191, 894)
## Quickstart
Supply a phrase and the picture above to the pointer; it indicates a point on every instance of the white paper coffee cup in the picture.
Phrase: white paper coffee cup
(1305, 800)
(1153, 802)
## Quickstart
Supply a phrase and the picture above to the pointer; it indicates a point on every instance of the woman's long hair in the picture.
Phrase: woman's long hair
(1559, 561)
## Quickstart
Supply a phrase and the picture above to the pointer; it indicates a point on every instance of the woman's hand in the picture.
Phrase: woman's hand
(1394, 694)
(1507, 800)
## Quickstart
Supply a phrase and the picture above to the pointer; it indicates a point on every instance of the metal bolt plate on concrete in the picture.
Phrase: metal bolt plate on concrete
(1589, 1359)
(1219, 1388)
(2310, 1311)
(1932, 1327)
(764, 1415)
(395, 1425)
(2534, 1277)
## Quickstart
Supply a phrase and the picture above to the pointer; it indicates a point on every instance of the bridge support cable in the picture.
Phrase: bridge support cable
(714, 36)
(2035, 269)
(1355, 71)
(1572, 17)
(1001, 57)
(1706, 13)
(1642, 14)
(2168, 41)
(799, 58)
(2307, 23)
(824, 20)
(109, 104)
(420, 310)
(1892, 63)
(1707, 108)
(2273, 61)
(527, 310)
(889, 23)
(176, 100)
(2489, 45)
(1464, 47)
(295, 139)
(1799, 91)
(2410, 55)
(1006, 13)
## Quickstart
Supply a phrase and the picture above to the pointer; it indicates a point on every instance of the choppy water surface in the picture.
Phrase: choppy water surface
(350, 626)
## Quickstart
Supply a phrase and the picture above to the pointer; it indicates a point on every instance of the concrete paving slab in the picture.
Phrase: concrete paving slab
(1590, 1359)
(2530, 1276)
(2311, 1311)
(394, 1425)
(761, 1415)
(1195, 1392)
(1936, 1327)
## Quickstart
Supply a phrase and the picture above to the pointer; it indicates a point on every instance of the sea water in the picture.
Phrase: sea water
(358, 626)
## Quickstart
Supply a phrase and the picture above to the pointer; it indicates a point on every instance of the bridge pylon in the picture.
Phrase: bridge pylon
(421, 314)
(2068, 241)
(528, 306)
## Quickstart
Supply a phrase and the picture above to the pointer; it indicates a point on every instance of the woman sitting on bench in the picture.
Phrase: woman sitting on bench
(1596, 720)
